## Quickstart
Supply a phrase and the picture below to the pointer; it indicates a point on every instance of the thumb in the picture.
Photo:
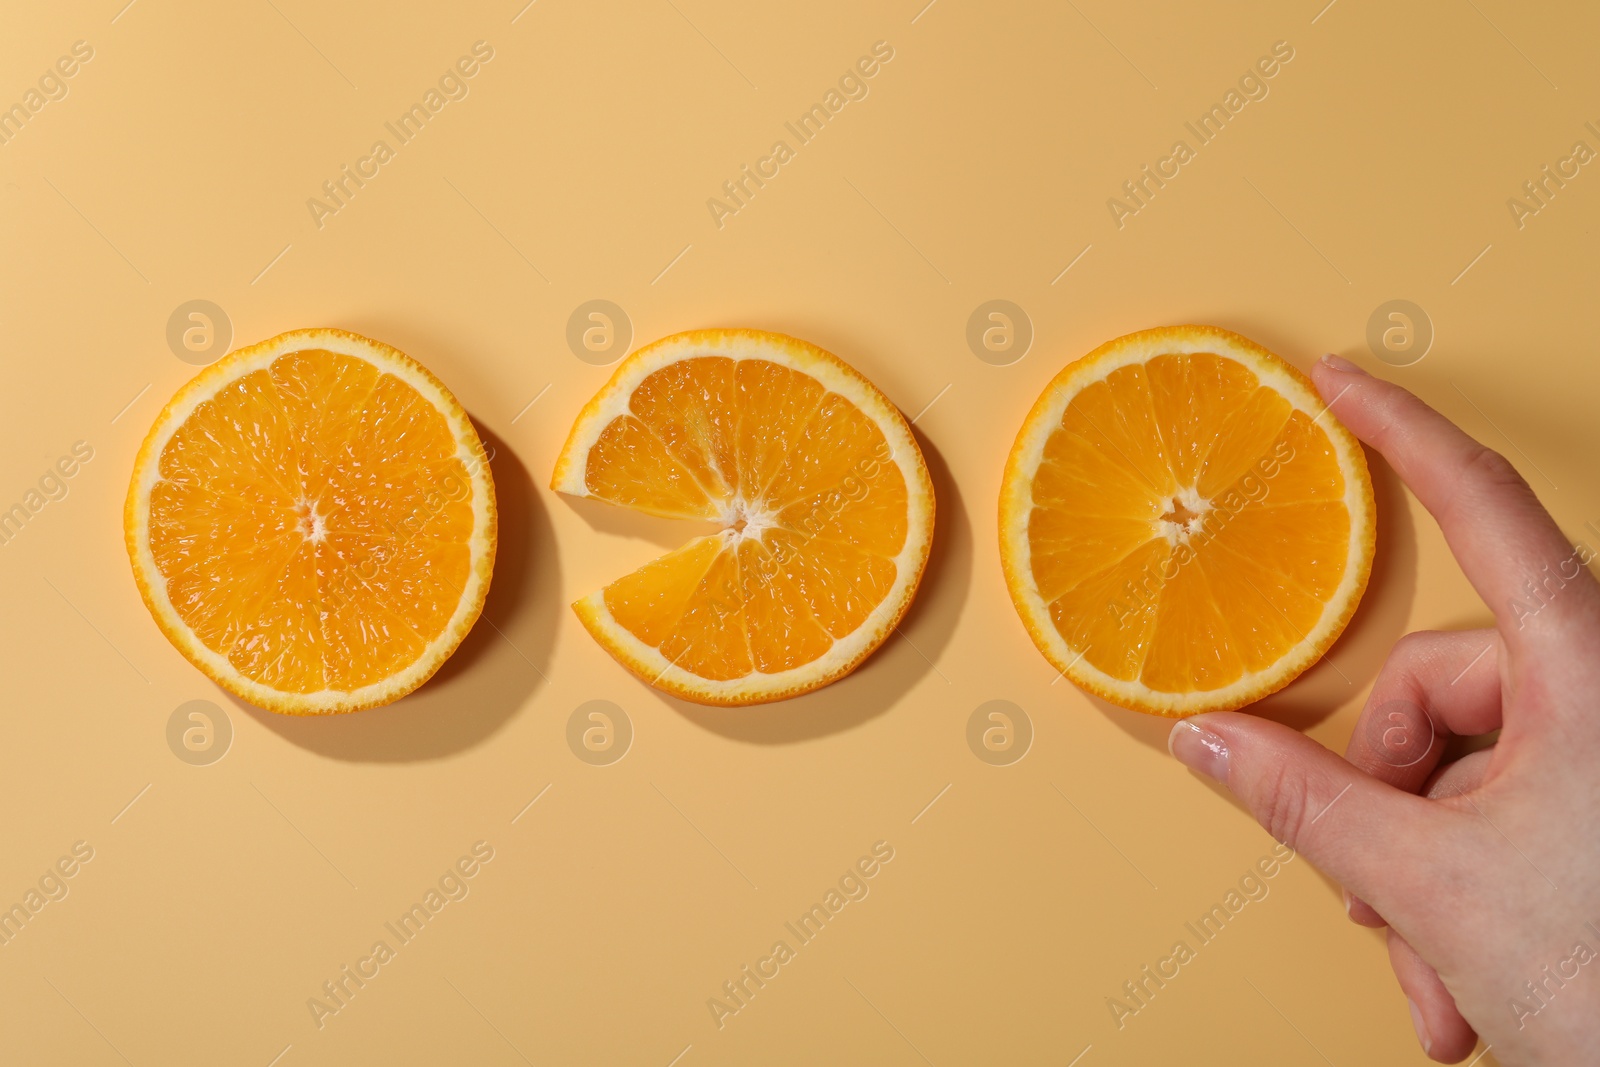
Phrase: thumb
(1357, 829)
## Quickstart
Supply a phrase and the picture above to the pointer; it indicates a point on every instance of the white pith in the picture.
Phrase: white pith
(1180, 533)
(747, 520)
(313, 524)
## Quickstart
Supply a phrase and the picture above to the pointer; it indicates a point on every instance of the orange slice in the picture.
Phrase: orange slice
(311, 522)
(1184, 527)
(821, 490)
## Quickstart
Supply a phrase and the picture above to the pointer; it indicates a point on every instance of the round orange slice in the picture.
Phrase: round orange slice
(311, 522)
(823, 496)
(1184, 526)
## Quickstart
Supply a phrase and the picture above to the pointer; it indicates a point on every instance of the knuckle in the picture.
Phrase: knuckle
(1394, 409)
(1412, 646)
(1483, 477)
(1281, 803)
(1486, 468)
(1413, 655)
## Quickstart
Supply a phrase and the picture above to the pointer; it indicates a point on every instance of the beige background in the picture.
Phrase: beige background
(178, 167)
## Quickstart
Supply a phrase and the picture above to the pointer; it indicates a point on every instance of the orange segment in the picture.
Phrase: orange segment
(650, 601)
(775, 403)
(637, 469)
(1183, 526)
(1240, 441)
(1106, 615)
(1116, 418)
(1191, 394)
(824, 497)
(782, 620)
(312, 523)
(709, 639)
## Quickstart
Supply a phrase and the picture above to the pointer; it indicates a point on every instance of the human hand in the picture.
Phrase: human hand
(1484, 870)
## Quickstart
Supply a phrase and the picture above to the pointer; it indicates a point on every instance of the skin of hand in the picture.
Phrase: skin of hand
(1486, 871)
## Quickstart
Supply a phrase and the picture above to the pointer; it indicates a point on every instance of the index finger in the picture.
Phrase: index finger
(1534, 580)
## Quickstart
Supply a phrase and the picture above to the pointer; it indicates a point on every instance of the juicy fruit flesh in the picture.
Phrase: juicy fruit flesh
(312, 521)
(1189, 524)
(814, 514)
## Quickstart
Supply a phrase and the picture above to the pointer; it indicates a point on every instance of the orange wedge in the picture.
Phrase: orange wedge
(311, 522)
(824, 500)
(1184, 526)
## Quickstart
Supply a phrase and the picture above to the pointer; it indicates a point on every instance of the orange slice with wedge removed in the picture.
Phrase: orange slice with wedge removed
(824, 500)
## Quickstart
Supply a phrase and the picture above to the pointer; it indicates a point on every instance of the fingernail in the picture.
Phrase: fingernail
(1421, 1027)
(1339, 363)
(1346, 894)
(1199, 749)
